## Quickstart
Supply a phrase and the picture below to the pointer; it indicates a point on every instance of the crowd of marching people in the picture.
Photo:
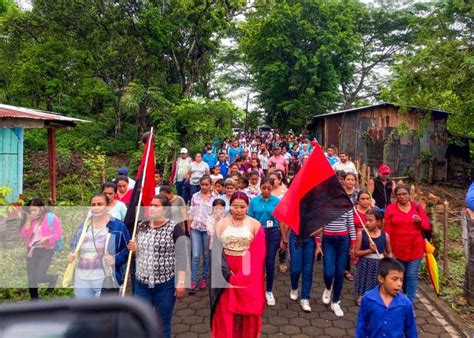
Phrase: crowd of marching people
(224, 199)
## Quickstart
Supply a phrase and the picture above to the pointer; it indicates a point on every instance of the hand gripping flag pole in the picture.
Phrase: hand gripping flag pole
(371, 241)
(149, 143)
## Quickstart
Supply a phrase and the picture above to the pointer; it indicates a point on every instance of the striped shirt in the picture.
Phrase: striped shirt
(342, 226)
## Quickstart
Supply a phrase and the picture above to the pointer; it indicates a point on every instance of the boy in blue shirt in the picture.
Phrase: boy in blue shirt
(384, 311)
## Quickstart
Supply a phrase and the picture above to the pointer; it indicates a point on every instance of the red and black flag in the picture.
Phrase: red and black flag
(315, 197)
(145, 170)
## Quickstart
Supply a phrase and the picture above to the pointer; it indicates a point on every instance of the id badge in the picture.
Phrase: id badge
(269, 224)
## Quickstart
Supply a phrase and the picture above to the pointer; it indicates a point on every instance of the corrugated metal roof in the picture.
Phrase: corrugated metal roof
(13, 112)
(381, 104)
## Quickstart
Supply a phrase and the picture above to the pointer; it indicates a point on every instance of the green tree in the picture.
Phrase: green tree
(439, 71)
(298, 51)
(383, 33)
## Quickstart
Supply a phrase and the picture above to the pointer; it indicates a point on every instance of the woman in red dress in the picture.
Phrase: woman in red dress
(238, 256)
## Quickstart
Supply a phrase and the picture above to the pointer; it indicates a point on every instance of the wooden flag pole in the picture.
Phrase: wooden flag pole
(367, 232)
(130, 253)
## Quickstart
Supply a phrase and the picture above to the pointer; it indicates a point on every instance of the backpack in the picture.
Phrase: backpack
(59, 245)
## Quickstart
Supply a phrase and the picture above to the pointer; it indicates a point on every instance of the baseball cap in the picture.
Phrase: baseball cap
(384, 169)
(183, 151)
(123, 171)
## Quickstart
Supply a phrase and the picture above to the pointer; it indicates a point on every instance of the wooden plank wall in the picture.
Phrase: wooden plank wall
(11, 160)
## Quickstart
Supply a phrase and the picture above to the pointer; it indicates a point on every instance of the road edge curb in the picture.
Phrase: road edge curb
(444, 309)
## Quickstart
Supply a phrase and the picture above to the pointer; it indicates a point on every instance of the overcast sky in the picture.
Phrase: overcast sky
(239, 96)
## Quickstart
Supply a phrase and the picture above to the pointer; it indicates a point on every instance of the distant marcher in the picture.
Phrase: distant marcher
(382, 187)
(179, 172)
(216, 174)
(235, 151)
(158, 180)
(223, 164)
(124, 193)
(263, 156)
(40, 231)
(384, 312)
(331, 156)
(116, 209)
(405, 222)
(209, 156)
(218, 213)
(253, 190)
(101, 247)
(294, 166)
(197, 169)
(177, 207)
(279, 189)
(277, 161)
(219, 188)
(344, 164)
(123, 171)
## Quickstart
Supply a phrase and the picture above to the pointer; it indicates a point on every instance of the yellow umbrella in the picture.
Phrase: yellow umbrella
(432, 266)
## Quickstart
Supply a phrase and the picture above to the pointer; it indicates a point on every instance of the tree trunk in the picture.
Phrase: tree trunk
(118, 116)
(142, 114)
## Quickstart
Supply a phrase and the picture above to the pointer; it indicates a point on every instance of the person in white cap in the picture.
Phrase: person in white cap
(179, 172)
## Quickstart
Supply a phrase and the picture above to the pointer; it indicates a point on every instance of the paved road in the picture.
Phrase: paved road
(286, 319)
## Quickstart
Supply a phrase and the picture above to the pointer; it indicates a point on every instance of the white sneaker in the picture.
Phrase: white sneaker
(270, 298)
(294, 294)
(304, 303)
(336, 308)
(327, 296)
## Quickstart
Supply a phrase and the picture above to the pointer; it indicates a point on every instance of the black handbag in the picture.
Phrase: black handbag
(109, 285)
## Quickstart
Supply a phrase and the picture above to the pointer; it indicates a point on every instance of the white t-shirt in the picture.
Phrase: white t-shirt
(347, 167)
(197, 170)
(214, 178)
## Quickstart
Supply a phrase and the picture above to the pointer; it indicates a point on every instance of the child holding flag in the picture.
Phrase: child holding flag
(366, 274)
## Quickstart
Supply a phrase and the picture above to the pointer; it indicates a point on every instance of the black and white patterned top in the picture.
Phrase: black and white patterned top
(156, 258)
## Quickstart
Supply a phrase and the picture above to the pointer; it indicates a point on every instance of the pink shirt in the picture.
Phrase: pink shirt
(280, 162)
(43, 231)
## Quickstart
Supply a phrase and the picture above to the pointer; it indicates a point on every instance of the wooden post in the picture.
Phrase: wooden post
(52, 163)
(467, 223)
(363, 175)
(445, 240)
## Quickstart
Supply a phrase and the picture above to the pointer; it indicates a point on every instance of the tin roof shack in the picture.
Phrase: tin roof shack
(13, 121)
(414, 143)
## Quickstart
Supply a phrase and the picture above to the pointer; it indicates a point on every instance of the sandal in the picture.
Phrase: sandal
(348, 276)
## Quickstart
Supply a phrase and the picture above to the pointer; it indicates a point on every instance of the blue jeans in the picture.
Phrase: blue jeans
(200, 245)
(336, 253)
(194, 189)
(162, 298)
(301, 263)
(85, 288)
(410, 281)
(272, 238)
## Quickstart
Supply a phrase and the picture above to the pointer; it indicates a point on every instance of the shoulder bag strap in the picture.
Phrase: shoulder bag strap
(95, 247)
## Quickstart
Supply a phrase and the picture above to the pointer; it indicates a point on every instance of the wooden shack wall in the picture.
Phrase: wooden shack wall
(368, 136)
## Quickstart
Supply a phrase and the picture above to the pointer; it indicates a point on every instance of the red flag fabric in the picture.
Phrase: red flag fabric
(315, 197)
(149, 184)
